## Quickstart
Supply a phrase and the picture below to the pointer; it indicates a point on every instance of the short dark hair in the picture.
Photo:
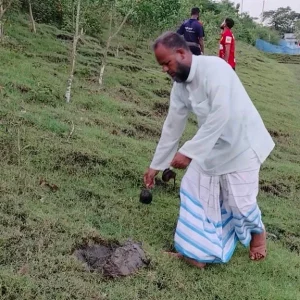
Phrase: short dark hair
(195, 11)
(171, 40)
(229, 22)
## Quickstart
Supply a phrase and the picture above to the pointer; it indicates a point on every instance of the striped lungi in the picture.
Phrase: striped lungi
(216, 212)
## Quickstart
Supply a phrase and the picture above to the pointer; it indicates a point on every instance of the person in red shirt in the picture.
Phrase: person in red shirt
(227, 43)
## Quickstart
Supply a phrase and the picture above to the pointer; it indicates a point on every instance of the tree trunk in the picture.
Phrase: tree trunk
(31, 17)
(2, 12)
(137, 38)
(117, 52)
(1, 30)
(111, 36)
(103, 65)
(73, 56)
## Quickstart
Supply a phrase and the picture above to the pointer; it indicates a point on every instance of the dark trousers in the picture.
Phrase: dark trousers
(195, 50)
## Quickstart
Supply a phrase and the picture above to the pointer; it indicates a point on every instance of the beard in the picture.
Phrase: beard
(182, 73)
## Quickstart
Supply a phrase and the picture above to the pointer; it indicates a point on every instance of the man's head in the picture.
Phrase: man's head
(227, 23)
(195, 13)
(174, 55)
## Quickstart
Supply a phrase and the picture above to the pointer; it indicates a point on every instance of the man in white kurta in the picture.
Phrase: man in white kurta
(219, 190)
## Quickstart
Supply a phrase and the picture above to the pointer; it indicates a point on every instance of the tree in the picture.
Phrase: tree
(4, 6)
(77, 36)
(297, 29)
(31, 17)
(156, 15)
(111, 36)
(283, 19)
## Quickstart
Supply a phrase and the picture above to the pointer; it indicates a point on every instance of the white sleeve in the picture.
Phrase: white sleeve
(173, 128)
(201, 145)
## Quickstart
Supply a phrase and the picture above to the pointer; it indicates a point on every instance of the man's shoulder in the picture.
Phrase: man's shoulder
(228, 33)
(211, 66)
(198, 24)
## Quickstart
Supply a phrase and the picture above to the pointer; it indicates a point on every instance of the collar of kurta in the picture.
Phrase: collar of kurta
(193, 70)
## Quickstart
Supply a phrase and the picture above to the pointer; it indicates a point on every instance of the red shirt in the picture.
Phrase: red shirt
(227, 38)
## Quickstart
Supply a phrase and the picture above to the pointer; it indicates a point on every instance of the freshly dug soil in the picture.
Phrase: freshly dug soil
(112, 260)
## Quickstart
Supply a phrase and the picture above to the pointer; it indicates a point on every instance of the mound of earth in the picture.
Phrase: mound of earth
(113, 260)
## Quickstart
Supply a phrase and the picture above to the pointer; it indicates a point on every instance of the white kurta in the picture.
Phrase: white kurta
(218, 192)
(230, 127)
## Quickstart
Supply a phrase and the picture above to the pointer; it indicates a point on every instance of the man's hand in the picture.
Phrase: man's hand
(180, 161)
(149, 177)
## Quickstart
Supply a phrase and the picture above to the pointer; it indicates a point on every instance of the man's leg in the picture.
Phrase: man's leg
(200, 237)
(243, 189)
(258, 246)
(188, 260)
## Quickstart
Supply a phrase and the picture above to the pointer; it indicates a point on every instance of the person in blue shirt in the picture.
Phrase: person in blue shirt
(193, 32)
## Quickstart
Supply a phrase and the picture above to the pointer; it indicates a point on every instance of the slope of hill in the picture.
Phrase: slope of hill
(95, 151)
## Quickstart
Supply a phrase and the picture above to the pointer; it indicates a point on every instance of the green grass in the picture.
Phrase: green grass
(99, 167)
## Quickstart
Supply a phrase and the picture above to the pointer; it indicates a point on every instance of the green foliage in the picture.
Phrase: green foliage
(297, 29)
(151, 17)
(155, 15)
(283, 19)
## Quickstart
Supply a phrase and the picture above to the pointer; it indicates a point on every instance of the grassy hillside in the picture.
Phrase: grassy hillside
(95, 151)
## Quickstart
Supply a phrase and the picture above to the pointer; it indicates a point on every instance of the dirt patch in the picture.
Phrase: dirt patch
(64, 37)
(54, 58)
(148, 81)
(277, 189)
(290, 240)
(87, 194)
(276, 134)
(126, 94)
(111, 54)
(112, 259)
(128, 48)
(84, 159)
(8, 151)
(281, 137)
(161, 109)
(127, 84)
(146, 130)
(75, 162)
(162, 93)
(23, 88)
(52, 187)
(143, 113)
(129, 68)
(128, 132)
(127, 112)
(132, 54)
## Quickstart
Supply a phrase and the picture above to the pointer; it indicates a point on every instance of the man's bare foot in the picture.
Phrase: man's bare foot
(188, 260)
(258, 246)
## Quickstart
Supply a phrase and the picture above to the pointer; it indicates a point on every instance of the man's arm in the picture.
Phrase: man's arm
(200, 33)
(201, 145)
(228, 43)
(201, 42)
(181, 29)
(173, 128)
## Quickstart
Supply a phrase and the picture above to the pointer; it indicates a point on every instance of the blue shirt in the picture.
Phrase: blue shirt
(192, 31)
(230, 127)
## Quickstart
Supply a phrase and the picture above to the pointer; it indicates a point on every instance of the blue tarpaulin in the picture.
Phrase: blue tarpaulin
(282, 48)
